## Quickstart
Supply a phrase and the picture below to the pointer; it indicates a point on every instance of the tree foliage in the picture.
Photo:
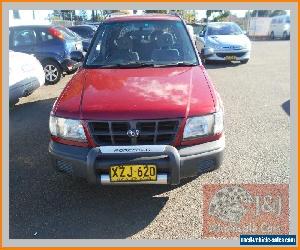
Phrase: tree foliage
(222, 14)
(156, 11)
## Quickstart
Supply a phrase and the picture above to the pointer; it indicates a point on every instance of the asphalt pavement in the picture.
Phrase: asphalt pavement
(46, 204)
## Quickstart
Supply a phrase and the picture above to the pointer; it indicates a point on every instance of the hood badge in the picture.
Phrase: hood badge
(133, 133)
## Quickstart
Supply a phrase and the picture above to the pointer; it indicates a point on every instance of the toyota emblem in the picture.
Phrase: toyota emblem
(133, 133)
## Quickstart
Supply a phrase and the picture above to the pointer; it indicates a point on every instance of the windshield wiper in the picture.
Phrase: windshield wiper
(128, 65)
(177, 64)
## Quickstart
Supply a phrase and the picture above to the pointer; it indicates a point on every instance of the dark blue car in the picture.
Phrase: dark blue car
(86, 32)
(51, 45)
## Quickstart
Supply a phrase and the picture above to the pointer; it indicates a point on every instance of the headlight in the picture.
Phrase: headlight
(66, 128)
(203, 125)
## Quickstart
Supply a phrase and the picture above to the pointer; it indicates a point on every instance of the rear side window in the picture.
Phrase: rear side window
(45, 36)
(25, 37)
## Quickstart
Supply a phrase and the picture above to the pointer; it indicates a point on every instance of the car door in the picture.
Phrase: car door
(23, 40)
(273, 25)
(279, 27)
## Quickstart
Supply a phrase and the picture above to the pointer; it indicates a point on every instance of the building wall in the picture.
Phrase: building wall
(27, 17)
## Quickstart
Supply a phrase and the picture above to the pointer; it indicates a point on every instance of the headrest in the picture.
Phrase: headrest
(165, 40)
(124, 42)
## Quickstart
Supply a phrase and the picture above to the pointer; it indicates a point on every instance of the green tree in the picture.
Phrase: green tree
(156, 11)
(68, 14)
(222, 14)
(56, 14)
(83, 15)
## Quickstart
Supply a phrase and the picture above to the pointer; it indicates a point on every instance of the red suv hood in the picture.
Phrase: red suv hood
(144, 93)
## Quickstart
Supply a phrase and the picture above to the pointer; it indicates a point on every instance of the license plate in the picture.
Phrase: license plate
(230, 58)
(133, 173)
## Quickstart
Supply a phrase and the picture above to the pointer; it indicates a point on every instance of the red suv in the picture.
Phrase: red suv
(141, 109)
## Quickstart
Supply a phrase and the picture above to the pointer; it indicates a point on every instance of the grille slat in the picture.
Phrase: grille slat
(237, 54)
(151, 132)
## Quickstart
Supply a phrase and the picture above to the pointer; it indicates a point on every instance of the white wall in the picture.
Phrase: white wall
(27, 18)
(259, 26)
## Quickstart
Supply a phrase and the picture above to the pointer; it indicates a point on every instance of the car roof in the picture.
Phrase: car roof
(147, 17)
(35, 26)
(216, 23)
(81, 25)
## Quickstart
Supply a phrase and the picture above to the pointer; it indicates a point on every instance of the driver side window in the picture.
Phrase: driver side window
(24, 38)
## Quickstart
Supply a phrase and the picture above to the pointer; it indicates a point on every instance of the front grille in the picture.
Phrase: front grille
(151, 132)
(237, 54)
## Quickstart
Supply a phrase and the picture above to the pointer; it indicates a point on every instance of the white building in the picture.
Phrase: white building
(28, 17)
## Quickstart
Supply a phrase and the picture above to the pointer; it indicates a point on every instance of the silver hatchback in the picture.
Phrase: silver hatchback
(224, 41)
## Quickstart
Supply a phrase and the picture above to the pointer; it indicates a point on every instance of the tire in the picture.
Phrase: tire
(285, 36)
(244, 61)
(207, 62)
(272, 35)
(52, 71)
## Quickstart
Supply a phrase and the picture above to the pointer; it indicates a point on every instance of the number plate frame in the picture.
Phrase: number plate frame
(133, 173)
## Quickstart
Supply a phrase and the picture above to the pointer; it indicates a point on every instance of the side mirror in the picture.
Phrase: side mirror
(244, 32)
(207, 52)
(201, 34)
(77, 56)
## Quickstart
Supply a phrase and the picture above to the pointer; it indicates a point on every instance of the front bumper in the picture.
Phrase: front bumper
(221, 55)
(172, 164)
(24, 88)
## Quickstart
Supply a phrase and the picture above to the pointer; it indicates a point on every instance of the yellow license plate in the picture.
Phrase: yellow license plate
(133, 173)
(230, 58)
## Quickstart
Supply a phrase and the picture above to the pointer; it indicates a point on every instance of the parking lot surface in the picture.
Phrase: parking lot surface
(46, 204)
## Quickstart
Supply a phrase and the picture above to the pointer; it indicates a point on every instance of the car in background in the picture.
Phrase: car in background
(191, 32)
(26, 74)
(51, 45)
(280, 27)
(225, 41)
(86, 32)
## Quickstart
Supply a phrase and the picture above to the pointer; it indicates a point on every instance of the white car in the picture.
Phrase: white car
(26, 74)
(280, 27)
(225, 41)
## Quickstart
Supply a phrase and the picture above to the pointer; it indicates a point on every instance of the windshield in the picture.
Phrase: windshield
(224, 29)
(141, 43)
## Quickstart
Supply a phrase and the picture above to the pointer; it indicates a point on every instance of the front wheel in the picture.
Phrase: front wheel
(52, 71)
(272, 36)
